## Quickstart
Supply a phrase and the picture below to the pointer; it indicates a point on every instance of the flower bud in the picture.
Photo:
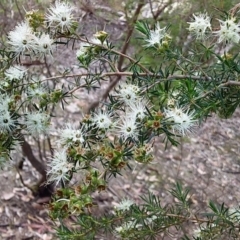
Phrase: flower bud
(87, 201)
(101, 35)
(101, 185)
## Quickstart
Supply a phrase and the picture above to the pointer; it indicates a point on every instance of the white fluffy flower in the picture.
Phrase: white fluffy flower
(59, 167)
(70, 135)
(102, 120)
(229, 31)
(200, 25)
(128, 93)
(183, 122)
(128, 127)
(16, 72)
(22, 39)
(124, 205)
(7, 123)
(60, 16)
(156, 36)
(138, 108)
(45, 44)
(36, 91)
(37, 122)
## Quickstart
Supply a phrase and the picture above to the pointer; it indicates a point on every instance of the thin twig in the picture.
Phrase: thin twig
(171, 77)
(229, 83)
(19, 11)
(123, 55)
(129, 34)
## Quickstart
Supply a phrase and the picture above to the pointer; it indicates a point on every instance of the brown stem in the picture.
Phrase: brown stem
(160, 10)
(121, 74)
(40, 188)
(19, 11)
(234, 10)
(119, 53)
(122, 56)
(229, 83)
(105, 94)
(129, 33)
(27, 151)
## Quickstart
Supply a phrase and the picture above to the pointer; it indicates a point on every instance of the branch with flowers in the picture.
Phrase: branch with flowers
(137, 104)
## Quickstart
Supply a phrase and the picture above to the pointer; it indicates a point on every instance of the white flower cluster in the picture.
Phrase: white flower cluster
(7, 123)
(60, 16)
(126, 123)
(128, 127)
(128, 93)
(59, 167)
(13, 74)
(24, 41)
(200, 25)
(228, 32)
(70, 135)
(36, 91)
(44, 44)
(16, 72)
(37, 123)
(124, 205)
(182, 122)
(135, 110)
(102, 120)
(156, 36)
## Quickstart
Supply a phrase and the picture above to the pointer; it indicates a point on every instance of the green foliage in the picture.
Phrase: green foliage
(150, 219)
